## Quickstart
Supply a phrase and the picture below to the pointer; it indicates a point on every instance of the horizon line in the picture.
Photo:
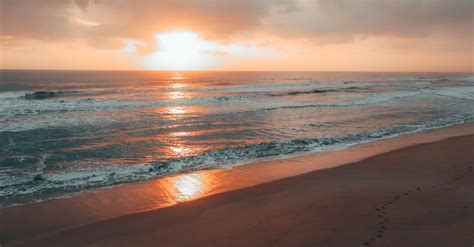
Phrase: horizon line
(322, 71)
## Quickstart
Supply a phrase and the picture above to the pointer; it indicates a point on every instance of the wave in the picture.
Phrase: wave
(54, 112)
(351, 89)
(46, 113)
(281, 87)
(17, 106)
(374, 99)
(251, 87)
(457, 92)
(42, 185)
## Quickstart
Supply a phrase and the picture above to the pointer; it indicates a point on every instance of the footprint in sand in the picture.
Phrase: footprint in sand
(381, 210)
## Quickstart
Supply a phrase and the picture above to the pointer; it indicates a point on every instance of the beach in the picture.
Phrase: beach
(236, 123)
(68, 132)
(414, 190)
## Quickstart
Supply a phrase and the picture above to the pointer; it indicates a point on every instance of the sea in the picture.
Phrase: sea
(65, 132)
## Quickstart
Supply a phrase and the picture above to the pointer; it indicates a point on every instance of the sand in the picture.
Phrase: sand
(420, 195)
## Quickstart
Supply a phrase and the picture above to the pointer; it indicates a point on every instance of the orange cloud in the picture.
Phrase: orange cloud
(307, 35)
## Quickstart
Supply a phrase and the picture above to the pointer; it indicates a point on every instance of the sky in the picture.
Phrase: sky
(282, 35)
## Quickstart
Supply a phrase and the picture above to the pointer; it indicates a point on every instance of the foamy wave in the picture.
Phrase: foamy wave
(18, 114)
(38, 184)
(371, 100)
(30, 114)
(457, 92)
(12, 95)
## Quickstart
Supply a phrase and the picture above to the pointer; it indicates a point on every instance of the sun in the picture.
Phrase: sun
(180, 50)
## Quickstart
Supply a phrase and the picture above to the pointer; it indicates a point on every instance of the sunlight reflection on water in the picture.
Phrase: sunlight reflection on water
(176, 95)
(177, 110)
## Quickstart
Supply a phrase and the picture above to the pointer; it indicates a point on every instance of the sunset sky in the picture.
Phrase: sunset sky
(319, 35)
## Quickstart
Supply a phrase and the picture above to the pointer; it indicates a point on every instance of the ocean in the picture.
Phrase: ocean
(87, 130)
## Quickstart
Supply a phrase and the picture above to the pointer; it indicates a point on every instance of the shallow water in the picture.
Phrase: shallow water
(110, 127)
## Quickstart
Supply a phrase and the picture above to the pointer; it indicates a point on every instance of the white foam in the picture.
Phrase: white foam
(12, 95)
(457, 92)
(111, 175)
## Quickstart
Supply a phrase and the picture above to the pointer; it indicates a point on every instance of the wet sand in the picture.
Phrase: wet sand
(421, 195)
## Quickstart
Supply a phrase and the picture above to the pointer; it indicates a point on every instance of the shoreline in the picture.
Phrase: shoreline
(271, 160)
(160, 194)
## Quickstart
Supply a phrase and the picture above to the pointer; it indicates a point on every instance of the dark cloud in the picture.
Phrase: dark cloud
(82, 4)
(33, 19)
(340, 20)
(120, 19)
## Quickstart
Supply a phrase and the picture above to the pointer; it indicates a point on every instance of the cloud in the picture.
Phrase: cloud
(82, 4)
(443, 27)
(121, 19)
(330, 21)
(340, 20)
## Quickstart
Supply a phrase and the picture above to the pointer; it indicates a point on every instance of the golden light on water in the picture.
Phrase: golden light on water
(177, 76)
(180, 133)
(180, 150)
(176, 110)
(188, 186)
(176, 95)
(177, 85)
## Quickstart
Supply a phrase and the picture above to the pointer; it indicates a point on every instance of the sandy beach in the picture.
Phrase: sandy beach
(420, 195)
(236, 123)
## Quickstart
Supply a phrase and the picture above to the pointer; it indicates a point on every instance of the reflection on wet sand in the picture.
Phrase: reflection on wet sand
(187, 186)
